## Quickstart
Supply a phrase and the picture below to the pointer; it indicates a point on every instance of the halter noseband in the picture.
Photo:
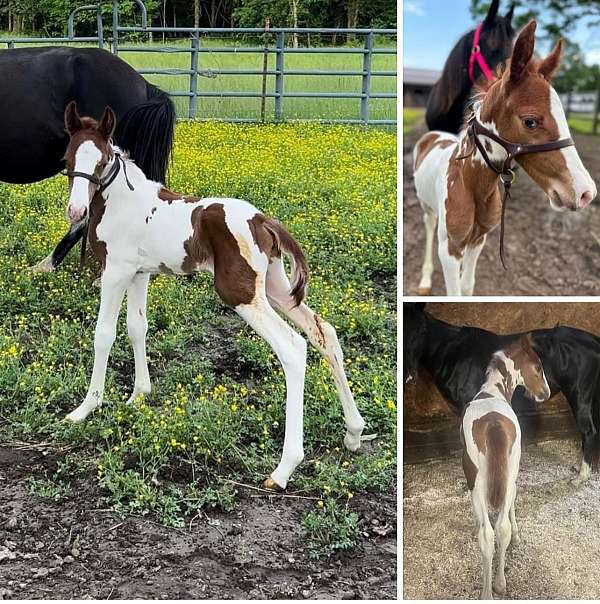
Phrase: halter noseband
(103, 183)
(506, 173)
(477, 56)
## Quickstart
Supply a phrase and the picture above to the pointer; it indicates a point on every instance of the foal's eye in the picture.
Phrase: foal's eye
(530, 123)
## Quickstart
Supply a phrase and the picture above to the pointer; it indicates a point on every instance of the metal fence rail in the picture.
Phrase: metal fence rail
(365, 94)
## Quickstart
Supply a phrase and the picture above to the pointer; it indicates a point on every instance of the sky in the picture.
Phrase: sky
(432, 27)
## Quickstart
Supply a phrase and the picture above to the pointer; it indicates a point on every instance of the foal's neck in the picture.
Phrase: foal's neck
(501, 379)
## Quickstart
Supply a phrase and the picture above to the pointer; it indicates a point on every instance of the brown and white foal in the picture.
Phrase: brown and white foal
(518, 116)
(137, 227)
(491, 439)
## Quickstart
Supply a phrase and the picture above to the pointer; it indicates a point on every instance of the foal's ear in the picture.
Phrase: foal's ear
(549, 66)
(491, 14)
(107, 123)
(72, 119)
(522, 52)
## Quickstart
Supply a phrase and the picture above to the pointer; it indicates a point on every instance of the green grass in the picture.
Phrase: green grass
(216, 412)
(581, 123)
(293, 108)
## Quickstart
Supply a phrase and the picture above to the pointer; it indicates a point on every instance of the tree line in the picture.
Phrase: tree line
(49, 17)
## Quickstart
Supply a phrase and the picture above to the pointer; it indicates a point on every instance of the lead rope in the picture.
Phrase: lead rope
(507, 185)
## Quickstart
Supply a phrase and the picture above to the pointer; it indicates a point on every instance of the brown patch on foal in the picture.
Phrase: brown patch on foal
(428, 142)
(169, 196)
(235, 280)
(263, 238)
(97, 208)
(470, 215)
(470, 469)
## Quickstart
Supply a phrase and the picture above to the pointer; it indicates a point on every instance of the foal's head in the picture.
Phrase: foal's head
(528, 368)
(88, 153)
(522, 107)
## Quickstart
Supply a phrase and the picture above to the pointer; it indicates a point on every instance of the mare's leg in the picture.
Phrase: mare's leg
(430, 220)
(451, 267)
(323, 337)
(585, 423)
(137, 326)
(485, 536)
(114, 282)
(290, 349)
(467, 280)
(64, 246)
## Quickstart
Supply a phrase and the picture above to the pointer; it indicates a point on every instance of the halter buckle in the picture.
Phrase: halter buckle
(476, 49)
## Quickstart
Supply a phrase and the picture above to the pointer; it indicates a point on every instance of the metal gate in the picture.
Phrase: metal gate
(277, 47)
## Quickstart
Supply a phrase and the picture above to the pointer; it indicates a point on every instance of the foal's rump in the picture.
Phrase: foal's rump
(493, 445)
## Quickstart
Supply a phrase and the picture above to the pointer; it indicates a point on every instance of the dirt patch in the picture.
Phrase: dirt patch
(560, 544)
(548, 253)
(76, 549)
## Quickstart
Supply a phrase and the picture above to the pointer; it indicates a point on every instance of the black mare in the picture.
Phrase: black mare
(457, 358)
(449, 96)
(37, 85)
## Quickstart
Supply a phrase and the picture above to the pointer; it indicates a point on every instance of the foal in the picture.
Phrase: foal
(457, 179)
(491, 438)
(137, 227)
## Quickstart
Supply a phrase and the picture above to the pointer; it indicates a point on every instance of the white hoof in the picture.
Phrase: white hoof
(79, 414)
(45, 266)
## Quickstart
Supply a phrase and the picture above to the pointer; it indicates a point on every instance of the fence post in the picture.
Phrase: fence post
(263, 98)
(366, 79)
(100, 28)
(194, 76)
(11, 44)
(115, 27)
(596, 111)
(279, 76)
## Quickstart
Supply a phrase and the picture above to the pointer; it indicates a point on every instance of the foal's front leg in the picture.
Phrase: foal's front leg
(467, 280)
(114, 282)
(451, 267)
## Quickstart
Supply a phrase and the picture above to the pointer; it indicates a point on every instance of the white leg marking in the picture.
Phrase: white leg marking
(485, 536)
(467, 280)
(290, 349)
(137, 326)
(114, 283)
(451, 267)
(503, 535)
(323, 337)
(430, 220)
(584, 473)
(515, 540)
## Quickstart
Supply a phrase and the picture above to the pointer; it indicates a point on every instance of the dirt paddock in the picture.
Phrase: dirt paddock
(76, 549)
(548, 253)
(559, 552)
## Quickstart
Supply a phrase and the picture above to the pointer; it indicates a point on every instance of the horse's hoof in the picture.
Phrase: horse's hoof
(352, 441)
(500, 589)
(271, 485)
(45, 266)
(424, 291)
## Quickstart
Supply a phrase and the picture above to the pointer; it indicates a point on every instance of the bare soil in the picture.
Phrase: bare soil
(559, 552)
(76, 549)
(548, 253)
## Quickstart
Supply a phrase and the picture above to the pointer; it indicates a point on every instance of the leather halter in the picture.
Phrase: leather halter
(505, 172)
(477, 56)
(103, 183)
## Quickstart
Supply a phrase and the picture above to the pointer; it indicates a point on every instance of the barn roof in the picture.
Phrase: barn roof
(420, 77)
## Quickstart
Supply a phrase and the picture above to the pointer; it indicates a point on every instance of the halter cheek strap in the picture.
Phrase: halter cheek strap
(103, 183)
(477, 56)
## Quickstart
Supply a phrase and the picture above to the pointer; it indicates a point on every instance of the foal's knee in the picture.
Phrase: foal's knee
(293, 356)
(104, 337)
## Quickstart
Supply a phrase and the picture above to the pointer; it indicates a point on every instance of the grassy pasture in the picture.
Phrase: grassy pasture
(216, 412)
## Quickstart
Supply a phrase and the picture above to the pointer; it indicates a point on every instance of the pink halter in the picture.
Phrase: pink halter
(477, 56)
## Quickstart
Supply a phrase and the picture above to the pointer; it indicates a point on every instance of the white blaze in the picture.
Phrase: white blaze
(86, 160)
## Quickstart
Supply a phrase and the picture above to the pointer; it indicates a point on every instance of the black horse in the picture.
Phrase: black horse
(457, 359)
(448, 98)
(37, 85)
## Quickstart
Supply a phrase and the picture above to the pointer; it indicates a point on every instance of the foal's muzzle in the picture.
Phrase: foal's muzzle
(76, 213)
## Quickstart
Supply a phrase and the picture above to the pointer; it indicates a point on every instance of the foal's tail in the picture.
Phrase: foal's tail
(291, 248)
(498, 445)
(146, 132)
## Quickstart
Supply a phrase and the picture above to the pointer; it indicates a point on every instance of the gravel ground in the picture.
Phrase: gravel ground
(559, 553)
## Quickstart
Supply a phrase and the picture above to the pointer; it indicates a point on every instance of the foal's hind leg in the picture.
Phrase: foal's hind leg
(323, 337)
(290, 348)
(503, 535)
(430, 220)
(137, 326)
